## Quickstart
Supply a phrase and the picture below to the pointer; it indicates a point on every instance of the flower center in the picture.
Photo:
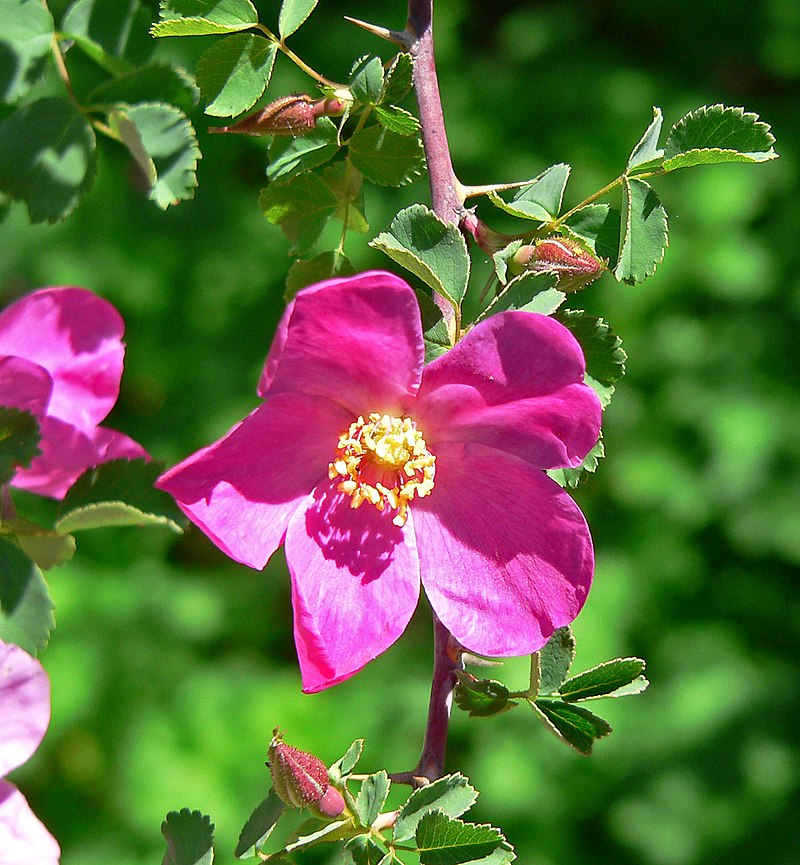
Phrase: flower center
(384, 460)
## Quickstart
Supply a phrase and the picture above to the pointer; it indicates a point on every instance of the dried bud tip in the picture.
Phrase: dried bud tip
(574, 265)
(300, 779)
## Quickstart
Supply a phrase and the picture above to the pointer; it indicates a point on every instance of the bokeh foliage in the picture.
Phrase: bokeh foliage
(171, 666)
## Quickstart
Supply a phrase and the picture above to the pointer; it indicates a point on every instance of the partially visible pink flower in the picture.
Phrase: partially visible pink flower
(24, 716)
(61, 358)
(376, 472)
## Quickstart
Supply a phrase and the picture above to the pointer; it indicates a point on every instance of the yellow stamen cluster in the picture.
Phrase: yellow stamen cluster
(384, 461)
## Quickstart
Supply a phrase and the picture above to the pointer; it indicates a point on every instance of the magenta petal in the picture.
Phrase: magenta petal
(24, 385)
(242, 490)
(76, 336)
(356, 340)
(355, 584)
(25, 702)
(23, 838)
(505, 554)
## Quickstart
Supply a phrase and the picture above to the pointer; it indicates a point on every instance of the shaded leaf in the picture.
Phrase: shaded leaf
(371, 797)
(326, 265)
(604, 680)
(348, 186)
(347, 762)
(300, 206)
(204, 17)
(646, 154)
(531, 292)
(643, 230)
(189, 836)
(431, 249)
(598, 226)
(540, 199)
(47, 157)
(259, 826)
(315, 832)
(555, 659)
(577, 727)
(26, 609)
(290, 156)
(569, 478)
(293, 14)
(434, 328)
(118, 28)
(366, 80)
(444, 840)
(452, 795)
(27, 37)
(234, 72)
(602, 348)
(481, 698)
(362, 850)
(398, 79)
(156, 83)
(386, 158)
(47, 548)
(19, 441)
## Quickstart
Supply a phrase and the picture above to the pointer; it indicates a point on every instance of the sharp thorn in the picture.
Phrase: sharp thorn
(398, 37)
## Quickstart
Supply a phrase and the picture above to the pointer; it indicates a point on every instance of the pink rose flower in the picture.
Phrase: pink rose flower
(376, 472)
(61, 358)
(24, 716)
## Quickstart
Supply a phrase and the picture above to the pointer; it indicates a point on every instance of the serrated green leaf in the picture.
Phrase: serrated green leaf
(348, 186)
(577, 727)
(26, 609)
(27, 38)
(481, 698)
(385, 158)
(444, 840)
(598, 226)
(397, 120)
(204, 17)
(540, 199)
(160, 134)
(19, 441)
(604, 391)
(366, 80)
(434, 328)
(259, 826)
(326, 265)
(362, 850)
(47, 157)
(300, 206)
(158, 82)
(431, 249)
(718, 134)
(45, 547)
(118, 30)
(452, 795)
(371, 797)
(603, 680)
(234, 72)
(571, 477)
(643, 232)
(531, 292)
(398, 79)
(555, 659)
(315, 832)
(646, 154)
(293, 14)
(290, 156)
(602, 348)
(347, 762)
(189, 836)
(119, 493)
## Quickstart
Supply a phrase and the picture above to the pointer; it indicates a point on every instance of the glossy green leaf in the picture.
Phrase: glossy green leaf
(482, 698)
(204, 17)
(452, 795)
(348, 761)
(290, 156)
(643, 232)
(234, 72)
(293, 14)
(189, 836)
(19, 441)
(604, 680)
(47, 548)
(555, 659)
(326, 265)
(300, 206)
(385, 158)
(314, 832)
(259, 826)
(646, 154)
(26, 609)
(26, 44)
(431, 249)
(155, 83)
(47, 157)
(371, 797)
(445, 840)
(540, 199)
(718, 134)
(602, 348)
(531, 292)
(577, 727)
(397, 120)
(366, 80)
(118, 493)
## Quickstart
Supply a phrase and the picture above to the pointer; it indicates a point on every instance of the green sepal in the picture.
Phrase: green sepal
(46, 547)
(300, 206)
(290, 156)
(204, 18)
(643, 232)
(431, 249)
(577, 727)
(118, 493)
(366, 80)
(293, 14)
(555, 659)
(540, 199)
(452, 795)
(27, 39)
(371, 798)
(385, 158)
(326, 265)
(347, 762)
(398, 79)
(646, 155)
(445, 840)
(47, 157)
(190, 838)
(621, 677)
(234, 72)
(259, 826)
(19, 441)
(26, 608)
(481, 698)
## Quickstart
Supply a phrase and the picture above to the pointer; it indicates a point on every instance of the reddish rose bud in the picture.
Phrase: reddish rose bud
(289, 115)
(301, 780)
(574, 265)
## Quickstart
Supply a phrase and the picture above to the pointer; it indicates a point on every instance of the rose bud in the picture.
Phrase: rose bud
(301, 780)
(289, 115)
(574, 265)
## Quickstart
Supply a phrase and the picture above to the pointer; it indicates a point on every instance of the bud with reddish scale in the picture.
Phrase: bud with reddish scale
(569, 260)
(301, 780)
(289, 115)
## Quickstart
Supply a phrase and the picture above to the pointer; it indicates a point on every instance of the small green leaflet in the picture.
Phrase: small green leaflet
(555, 659)
(363, 850)
(385, 158)
(347, 762)
(397, 120)
(598, 226)
(646, 154)
(452, 795)
(482, 698)
(113, 33)
(19, 441)
(444, 840)
(259, 826)
(574, 725)
(204, 17)
(314, 832)
(531, 292)
(398, 79)
(570, 478)
(27, 39)
(619, 678)
(234, 72)
(47, 157)
(431, 249)
(189, 836)
(26, 609)
(300, 206)
(371, 797)
(293, 14)
(602, 348)
(643, 232)
(44, 546)
(289, 156)
(541, 198)
(366, 80)
(718, 134)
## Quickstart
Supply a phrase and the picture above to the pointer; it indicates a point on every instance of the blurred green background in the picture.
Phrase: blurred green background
(170, 665)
